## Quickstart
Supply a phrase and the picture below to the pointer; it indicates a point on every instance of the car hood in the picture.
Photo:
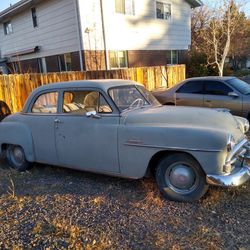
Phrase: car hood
(178, 116)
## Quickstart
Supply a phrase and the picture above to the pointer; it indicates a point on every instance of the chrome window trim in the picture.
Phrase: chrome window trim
(170, 148)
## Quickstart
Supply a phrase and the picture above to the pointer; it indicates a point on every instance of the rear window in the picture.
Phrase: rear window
(193, 87)
(241, 86)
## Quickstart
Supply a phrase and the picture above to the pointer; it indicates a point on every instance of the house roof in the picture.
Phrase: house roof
(24, 4)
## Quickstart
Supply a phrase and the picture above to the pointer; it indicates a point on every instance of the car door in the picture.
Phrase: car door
(216, 96)
(40, 119)
(85, 140)
(190, 94)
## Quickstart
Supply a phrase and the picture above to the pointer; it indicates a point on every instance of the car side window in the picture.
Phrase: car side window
(192, 87)
(216, 88)
(46, 103)
(84, 101)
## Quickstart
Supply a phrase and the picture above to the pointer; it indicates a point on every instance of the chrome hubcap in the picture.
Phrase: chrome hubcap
(18, 155)
(181, 178)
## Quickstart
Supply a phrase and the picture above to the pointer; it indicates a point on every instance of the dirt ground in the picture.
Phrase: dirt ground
(55, 208)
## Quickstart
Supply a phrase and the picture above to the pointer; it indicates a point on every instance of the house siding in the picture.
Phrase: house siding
(145, 38)
(141, 31)
(56, 32)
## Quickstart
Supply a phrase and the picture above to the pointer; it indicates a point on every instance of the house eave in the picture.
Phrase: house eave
(195, 3)
(25, 51)
(17, 8)
(24, 4)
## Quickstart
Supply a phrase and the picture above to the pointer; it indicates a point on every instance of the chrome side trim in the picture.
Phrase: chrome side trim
(232, 180)
(170, 148)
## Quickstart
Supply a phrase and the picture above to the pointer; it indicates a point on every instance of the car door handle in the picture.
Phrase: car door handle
(57, 121)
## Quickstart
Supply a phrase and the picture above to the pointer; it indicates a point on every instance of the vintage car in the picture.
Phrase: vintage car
(117, 127)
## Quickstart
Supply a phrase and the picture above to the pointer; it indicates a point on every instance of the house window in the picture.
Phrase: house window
(7, 28)
(172, 57)
(68, 61)
(61, 63)
(118, 59)
(125, 7)
(163, 10)
(64, 62)
(34, 17)
(40, 65)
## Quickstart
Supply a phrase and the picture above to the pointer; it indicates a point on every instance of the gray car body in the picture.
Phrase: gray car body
(123, 144)
(238, 104)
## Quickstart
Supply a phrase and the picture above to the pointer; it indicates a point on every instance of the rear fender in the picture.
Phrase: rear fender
(17, 133)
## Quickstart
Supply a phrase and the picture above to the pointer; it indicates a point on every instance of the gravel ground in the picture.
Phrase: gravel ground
(55, 208)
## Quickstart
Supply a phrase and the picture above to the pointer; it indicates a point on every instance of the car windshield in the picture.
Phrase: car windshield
(241, 86)
(131, 97)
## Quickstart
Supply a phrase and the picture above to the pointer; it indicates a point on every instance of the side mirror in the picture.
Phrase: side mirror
(233, 94)
(93, 114)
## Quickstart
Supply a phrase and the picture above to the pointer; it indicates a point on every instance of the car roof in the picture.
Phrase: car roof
(223, 78)
(103, 84)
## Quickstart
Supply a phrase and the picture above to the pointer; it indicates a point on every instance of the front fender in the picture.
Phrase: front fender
(17, 133)
(138, 144)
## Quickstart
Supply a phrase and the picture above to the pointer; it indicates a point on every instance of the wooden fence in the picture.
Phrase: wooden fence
(14, 89)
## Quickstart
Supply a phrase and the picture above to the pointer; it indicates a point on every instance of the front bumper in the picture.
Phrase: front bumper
(240, 174)
(234, 179)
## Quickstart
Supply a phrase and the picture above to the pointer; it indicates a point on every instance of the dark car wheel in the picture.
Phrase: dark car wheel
(16, 158)
(180, 178)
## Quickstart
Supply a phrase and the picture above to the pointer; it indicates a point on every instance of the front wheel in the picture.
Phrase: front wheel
(180, 178)
(16, 158)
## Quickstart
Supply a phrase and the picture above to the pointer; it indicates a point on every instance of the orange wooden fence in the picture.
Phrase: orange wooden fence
(14, 89)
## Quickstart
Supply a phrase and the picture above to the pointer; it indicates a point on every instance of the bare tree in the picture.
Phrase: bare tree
(240, 49)
(213, 31)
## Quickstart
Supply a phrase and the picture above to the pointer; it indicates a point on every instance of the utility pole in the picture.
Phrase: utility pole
(104, 38)
(79, 27)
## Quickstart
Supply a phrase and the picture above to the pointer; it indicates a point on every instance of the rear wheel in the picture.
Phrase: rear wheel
(16, 158)
(180, 178)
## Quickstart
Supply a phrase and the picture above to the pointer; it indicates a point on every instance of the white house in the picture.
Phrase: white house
(59, 35)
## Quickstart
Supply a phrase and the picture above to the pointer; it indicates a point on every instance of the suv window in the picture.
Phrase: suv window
(84, 101)
(216, 88)
(46, 103)
(193, 87)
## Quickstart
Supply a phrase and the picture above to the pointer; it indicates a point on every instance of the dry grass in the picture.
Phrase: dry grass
(53, 208)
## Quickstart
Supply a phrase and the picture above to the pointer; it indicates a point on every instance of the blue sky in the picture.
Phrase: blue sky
(245, 5)
(6, 3)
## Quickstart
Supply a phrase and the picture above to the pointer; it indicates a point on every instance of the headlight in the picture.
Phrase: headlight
(230, 143)
(246, 125)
